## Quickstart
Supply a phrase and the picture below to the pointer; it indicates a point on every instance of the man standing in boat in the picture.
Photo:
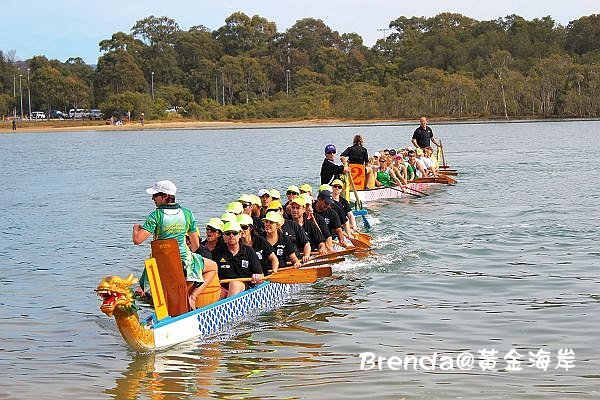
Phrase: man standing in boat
(329, 170)
(171, 221)
(423, 135)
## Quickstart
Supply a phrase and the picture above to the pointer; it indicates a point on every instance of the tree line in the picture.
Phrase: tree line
(448, 65)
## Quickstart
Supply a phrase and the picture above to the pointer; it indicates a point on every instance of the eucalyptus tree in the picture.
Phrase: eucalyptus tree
(244, 35)
(549, 78)
(583, 34)
(158, 56)
(117, 72)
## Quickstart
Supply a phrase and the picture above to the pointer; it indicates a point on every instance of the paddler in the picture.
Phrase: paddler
(284, 247)
(264, 251)
(236, 260)
(315, 236)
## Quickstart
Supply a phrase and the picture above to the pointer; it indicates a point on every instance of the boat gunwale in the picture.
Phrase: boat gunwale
(169, 320)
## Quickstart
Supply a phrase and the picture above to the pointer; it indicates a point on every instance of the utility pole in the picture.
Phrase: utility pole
(15, 96)
(287, 82)
(29, 95)
(21, 91)
(152, 84)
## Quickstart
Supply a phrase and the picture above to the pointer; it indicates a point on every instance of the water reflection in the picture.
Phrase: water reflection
(250, 359)
(165, 375)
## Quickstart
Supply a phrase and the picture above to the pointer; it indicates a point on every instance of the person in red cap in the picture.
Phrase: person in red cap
(330, 170)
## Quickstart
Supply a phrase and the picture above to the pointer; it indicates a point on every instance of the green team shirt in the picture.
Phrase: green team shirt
(171, 221)
(384, 178)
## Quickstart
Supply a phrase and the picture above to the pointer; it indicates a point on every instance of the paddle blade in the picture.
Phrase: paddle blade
(359, 244)
(294, 275)
(323, 272)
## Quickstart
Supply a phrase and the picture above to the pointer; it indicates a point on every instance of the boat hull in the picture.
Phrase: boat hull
(214, 318)
(381, 193)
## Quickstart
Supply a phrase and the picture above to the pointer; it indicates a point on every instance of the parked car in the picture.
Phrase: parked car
(57, 114)
(96, 114)
(38, 115)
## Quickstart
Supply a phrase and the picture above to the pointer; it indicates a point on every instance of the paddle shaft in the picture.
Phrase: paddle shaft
(402, 191)
(358, 202)
(292, 275)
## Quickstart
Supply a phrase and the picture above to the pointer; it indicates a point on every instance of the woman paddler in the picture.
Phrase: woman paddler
(284, 247)
(214, 234)
(264, 251)
(236, 260)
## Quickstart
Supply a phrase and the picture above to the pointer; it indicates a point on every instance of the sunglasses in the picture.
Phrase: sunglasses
(246, 205)
(245, 227)
(331, 152)
(336, 186)
(231, 233)
(290, 192)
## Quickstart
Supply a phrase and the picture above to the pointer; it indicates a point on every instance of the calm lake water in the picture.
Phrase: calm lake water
(508, 260)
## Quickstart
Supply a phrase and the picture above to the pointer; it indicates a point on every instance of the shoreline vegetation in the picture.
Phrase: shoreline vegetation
(182, 124)
(449, 66)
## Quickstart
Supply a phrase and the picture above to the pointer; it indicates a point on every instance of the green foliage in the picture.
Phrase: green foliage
(118, 105)
(447, 65)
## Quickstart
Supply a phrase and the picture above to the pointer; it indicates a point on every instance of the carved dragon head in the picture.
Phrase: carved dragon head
(116, 292)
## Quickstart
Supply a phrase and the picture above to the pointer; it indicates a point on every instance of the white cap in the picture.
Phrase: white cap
(376, 154)
(166, 187)
(262, 192)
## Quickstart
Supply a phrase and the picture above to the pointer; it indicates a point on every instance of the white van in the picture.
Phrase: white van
(78, 113)
(38, 115)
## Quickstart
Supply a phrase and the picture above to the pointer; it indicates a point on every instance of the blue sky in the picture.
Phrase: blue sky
(64, 28)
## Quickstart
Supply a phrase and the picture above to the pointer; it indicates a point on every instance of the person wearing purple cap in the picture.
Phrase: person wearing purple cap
(330, 170)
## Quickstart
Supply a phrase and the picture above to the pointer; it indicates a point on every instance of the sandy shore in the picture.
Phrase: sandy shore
(62, 126)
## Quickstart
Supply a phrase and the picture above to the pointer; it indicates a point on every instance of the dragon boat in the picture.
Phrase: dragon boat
(150, 334)
(357, 191)
(172, 322)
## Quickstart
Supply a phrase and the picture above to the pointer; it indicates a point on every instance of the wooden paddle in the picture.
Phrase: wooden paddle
(359, 244)
(312, 264)
(449, 181)
(292, 275)
(335, 254)
(415, 190)
(402, 191)
(364, 237)
(323, 271)
(358, 201)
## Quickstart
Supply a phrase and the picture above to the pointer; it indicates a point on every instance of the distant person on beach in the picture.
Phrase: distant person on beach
(142, 119)
(14, 125)
(423, 135)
